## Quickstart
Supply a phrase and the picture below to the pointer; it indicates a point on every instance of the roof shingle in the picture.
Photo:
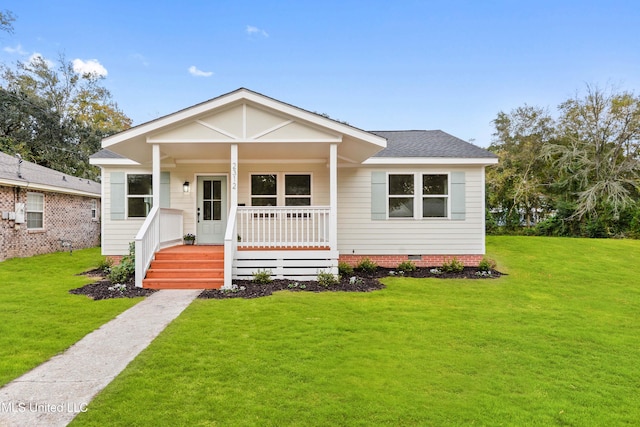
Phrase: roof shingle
(428, 143)
(31, 173)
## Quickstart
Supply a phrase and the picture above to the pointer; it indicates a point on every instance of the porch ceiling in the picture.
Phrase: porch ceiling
(246, 151)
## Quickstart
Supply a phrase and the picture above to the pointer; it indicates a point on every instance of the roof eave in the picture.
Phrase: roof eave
(112, 162)
(485, 161)
(48, 188)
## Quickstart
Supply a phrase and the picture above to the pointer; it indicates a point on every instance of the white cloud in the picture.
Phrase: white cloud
(139, 57)
(193, 70)
(18, 49)
(90, 66)
(251, 30)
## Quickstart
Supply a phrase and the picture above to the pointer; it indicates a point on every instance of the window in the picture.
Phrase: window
(293, 190)
(297, 190)
(139, 195)
(435, 196)
(401, 196)
(94, 209)
(35, 210)
(264, 190)
(212, 200)
(414, 195)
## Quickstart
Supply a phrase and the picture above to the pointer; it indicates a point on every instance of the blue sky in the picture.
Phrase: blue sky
(378, 65)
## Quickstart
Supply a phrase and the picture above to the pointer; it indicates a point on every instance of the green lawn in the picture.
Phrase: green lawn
(38, 317)
(556, 342)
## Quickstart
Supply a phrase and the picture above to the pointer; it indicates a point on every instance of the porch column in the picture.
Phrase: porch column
(230, 239)
(233, 197)
(333, 197)
(155, 176)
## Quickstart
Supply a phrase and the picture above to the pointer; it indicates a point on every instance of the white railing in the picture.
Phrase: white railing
(230, 246)
(162, 227)
(171, 227)
(282, 227)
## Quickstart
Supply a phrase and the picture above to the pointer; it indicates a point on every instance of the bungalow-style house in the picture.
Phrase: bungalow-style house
(265, 185)
(44, 210)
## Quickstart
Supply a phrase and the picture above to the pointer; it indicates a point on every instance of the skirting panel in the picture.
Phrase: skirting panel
(295, 265)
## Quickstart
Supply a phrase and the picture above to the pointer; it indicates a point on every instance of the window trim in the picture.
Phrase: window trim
(296, 196)
(281, 196)
(447, 197)
(401, 196)
(418, 196)
(28, 211)
(128, 196)
(258, 196)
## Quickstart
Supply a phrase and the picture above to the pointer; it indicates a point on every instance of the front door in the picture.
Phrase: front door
(212, 209)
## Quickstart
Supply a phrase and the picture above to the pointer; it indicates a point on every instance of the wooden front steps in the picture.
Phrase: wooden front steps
(186, 267)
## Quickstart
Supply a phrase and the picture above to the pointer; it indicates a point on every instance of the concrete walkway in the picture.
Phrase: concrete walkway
(56, 391)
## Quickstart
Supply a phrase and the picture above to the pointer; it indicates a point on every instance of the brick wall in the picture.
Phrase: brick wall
(66, 217)
(392, 261)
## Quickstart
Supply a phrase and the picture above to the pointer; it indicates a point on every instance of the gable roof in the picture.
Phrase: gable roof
(245, 117)
(36, 177)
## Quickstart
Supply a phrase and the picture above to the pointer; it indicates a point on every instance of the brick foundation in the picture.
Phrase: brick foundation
(392, 261)
(115, 258)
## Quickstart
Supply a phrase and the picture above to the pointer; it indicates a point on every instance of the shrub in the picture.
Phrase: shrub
(486, 264)
(354, 280)
(126, 270)
(453, 266)
(367, 265)
(262, 276)
(105, 265)
(327, 279)
(345, 269)
(407, 266)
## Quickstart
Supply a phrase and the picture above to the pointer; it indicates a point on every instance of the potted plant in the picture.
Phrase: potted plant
(189, 239)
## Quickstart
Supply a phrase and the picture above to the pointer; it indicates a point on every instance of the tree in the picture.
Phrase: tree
(6, 21)
(597, 155)
(516, 186)
(55, 116)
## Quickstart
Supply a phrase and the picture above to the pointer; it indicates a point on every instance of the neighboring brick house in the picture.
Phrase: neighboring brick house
(43, 210)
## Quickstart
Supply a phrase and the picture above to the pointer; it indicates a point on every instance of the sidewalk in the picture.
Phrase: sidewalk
(56, 391)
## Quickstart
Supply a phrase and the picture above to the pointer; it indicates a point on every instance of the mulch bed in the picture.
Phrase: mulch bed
(367, 282)
(100, 288)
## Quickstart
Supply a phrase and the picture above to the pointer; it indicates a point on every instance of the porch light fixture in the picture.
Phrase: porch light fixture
(185, 187)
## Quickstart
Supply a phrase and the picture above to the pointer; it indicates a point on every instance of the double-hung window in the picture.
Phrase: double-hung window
(279, 190)
(435, 196)
(139, 195)
(35, 210)
(264, 190)
(401, 196)
(297, 190)
(94, 210)
(416, 196)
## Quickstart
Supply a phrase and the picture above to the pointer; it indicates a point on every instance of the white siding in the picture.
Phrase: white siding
(357, 233)
(116, 234)
(360, 235)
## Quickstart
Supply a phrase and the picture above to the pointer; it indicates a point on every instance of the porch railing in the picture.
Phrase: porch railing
(161, 228)
(283, 227)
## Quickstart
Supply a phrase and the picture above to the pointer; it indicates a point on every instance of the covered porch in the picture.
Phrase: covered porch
(216, 149)
(290, 241)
